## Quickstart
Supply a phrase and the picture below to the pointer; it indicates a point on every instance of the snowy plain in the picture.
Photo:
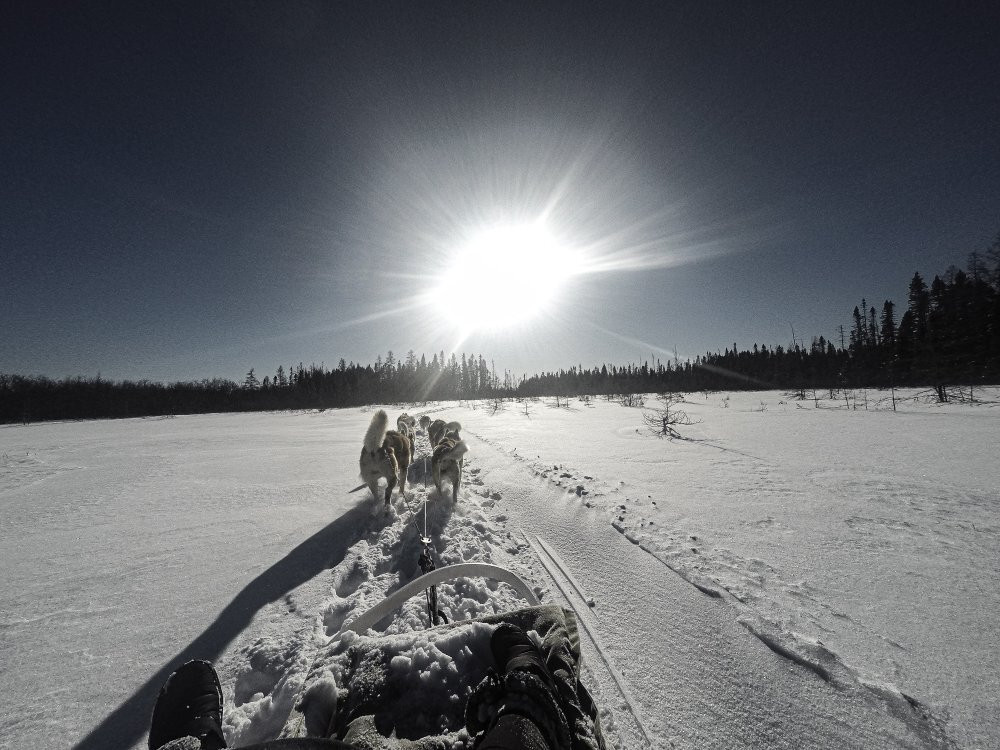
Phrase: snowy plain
(790, 574)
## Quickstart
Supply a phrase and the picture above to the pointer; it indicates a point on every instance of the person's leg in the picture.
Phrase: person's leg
(518, 705)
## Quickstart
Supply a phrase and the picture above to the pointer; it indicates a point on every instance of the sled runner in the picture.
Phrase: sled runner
(410, 690)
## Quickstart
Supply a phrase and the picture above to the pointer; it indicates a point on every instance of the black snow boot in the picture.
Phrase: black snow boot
(512, 649)
(189, 705)
(521, 684)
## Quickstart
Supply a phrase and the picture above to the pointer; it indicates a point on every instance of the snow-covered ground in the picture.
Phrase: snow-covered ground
(787, 575)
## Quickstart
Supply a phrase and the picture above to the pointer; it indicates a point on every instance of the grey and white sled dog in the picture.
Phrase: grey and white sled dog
(385, 453)
(447, 460)
(439, 429)
(424, 422)
(407, 426)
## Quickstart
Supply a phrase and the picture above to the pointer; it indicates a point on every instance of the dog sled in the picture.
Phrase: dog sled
(412, 690)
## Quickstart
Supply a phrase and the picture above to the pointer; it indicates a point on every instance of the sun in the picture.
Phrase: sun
(502, 276)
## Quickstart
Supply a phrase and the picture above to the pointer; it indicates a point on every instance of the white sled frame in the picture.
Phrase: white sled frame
(447, 573)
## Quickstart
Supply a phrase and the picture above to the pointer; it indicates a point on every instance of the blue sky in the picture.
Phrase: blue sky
(194, 189)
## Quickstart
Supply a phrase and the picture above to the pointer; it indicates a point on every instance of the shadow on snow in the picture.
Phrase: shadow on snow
(128, 723)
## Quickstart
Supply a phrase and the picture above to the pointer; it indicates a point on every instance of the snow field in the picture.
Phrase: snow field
(860, 546)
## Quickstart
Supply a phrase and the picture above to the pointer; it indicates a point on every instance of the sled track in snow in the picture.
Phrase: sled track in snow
(564, 569)
(557, 570)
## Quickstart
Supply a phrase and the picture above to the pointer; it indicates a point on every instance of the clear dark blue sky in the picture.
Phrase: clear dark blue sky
(192, 189)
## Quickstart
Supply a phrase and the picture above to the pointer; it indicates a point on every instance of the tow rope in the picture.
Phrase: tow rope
(426, 563)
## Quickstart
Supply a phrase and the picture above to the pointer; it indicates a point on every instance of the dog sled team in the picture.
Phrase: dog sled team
(388, 453)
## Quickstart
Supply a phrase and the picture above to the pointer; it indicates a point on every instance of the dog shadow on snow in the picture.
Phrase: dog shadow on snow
(127, 724)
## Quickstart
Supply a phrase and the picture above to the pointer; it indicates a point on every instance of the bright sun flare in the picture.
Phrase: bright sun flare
(504, 275)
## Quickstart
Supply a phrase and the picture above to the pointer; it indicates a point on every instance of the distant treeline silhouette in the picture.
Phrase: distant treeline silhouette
(949, 334)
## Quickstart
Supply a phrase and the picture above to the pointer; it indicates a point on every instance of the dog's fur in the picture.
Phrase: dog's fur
(447, 461)
(439, 429)
(424, 421)
(406, 426)
(385, 453)
(435, 431)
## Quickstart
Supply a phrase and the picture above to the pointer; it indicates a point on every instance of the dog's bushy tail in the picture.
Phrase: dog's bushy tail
(455, 453)
(376, 430)
(453, 427)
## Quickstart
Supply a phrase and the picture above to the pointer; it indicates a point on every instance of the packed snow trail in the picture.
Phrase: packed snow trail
(700, 678)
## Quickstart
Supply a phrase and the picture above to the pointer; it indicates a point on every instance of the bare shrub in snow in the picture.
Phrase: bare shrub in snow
(632, 399)
(664, 419)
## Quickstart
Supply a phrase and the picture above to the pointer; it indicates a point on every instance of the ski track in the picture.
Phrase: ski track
(555, 569)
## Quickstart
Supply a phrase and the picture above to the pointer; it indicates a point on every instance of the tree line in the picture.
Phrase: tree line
(948, 334)
(32, 399)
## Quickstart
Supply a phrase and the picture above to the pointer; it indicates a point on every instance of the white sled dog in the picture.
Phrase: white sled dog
(439, 430)
(385, 453)
(447, 461)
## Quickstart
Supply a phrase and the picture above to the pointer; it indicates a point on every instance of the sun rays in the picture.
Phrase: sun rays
(497, 241)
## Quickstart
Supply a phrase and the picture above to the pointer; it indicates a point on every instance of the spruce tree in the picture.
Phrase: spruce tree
(888, 326)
